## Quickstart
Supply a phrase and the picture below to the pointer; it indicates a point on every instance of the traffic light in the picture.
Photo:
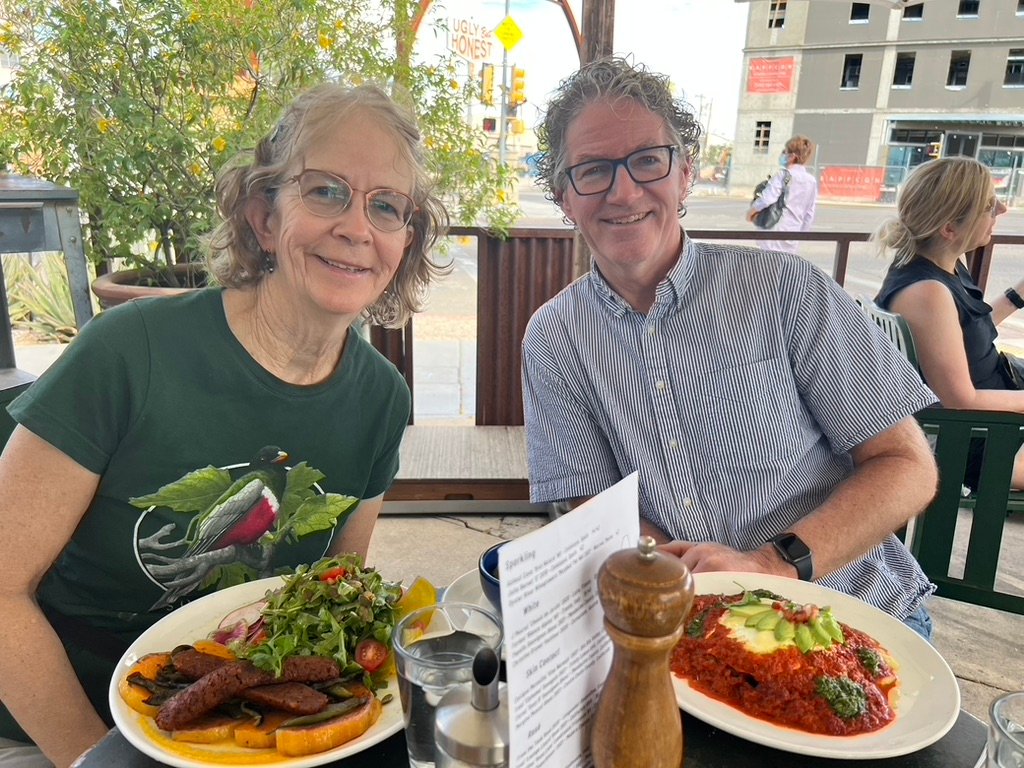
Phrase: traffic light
(935, 149)
(490, 124)
(487, 84)
(518, 95)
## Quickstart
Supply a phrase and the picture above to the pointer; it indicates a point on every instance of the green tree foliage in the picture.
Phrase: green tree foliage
(137, 103)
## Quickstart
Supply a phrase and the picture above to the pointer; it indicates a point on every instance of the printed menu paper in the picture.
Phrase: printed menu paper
(557, 651)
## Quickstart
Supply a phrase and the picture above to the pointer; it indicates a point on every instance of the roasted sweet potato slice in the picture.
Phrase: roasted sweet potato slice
(261, 735)
(207, 730)
(309, 739)
(149, 667)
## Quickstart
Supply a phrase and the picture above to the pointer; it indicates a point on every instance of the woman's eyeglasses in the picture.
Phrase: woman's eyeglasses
(327, 195)
(643, 166)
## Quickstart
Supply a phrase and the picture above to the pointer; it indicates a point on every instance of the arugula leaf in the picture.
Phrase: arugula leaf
(308, 616)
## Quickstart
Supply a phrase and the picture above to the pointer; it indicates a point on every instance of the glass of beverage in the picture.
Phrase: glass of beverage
(1006, 732)
(434, 651)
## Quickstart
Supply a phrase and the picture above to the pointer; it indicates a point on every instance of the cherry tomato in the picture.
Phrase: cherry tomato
(371, 654)
(333, 575)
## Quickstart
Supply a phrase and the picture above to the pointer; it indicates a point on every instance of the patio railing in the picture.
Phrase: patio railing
(516, 275)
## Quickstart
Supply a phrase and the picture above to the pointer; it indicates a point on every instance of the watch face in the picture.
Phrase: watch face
(794, 546)
(795, 552)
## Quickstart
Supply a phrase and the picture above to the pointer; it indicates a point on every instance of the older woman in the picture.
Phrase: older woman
(947, 207)
(328, 222)
(801, 195)
(741, 384)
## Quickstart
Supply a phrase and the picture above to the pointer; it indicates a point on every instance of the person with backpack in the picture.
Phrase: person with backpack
(799, 190)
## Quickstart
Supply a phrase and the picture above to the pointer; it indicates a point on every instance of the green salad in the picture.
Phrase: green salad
(335, 608)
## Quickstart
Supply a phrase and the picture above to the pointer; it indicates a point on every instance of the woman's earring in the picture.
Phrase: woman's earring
(681, 209)
(268, 262)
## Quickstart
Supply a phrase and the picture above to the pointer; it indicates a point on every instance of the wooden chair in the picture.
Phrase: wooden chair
(932, 537)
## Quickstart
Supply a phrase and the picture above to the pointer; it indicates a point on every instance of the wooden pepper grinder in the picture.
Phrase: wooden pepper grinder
(645, 595)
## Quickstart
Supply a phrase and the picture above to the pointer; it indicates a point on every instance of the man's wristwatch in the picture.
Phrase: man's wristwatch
(1014, 297)
(792, 549)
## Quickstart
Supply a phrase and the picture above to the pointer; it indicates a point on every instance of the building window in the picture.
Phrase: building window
(776, 14)
(859, 12)
(903, 77)
(1014, 67)
(959, 63)
(913, 11)
(968, 8)
(762, 136)
(851, 70)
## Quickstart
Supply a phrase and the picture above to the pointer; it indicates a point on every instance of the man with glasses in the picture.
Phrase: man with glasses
(742, 385)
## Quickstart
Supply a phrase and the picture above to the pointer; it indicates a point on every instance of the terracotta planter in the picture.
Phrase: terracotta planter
(118, 287)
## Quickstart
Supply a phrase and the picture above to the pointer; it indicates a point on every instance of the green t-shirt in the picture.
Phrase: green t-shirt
(156, 389)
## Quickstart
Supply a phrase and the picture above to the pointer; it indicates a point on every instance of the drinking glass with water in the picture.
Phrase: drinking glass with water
(434, 651)
(1006, 732)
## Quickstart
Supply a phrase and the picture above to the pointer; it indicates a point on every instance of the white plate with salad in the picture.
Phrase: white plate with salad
(196, 621)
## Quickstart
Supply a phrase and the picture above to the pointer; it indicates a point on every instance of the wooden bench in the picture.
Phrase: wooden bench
(462, 468)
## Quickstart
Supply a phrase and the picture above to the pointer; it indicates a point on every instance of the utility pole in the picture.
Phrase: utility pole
(503, 124)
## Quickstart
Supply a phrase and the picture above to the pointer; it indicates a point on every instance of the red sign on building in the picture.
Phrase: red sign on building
(852, 183)
(770, 75)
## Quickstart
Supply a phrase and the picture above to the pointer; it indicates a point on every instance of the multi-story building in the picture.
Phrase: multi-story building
(881, 87)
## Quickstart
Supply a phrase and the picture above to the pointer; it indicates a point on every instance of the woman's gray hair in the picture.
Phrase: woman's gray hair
(935, 193)
(609, 79)
(234, 255)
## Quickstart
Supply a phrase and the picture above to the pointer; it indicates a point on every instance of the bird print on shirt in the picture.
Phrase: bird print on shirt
(239, 517)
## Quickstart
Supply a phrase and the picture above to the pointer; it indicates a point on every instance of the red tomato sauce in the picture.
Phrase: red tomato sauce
(781, 686)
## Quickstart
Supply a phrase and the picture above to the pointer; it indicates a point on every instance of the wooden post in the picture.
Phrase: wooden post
(598, 29)
(598, 40)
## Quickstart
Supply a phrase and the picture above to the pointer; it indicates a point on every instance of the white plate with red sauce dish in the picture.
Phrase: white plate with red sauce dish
(929, 699)
(195, 621)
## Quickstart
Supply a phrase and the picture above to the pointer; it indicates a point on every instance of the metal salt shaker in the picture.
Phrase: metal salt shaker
(646, 596)
(471, 721)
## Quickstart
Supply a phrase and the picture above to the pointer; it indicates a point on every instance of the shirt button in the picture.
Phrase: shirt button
(673, 444)
(687, 502)
(659, 384)
(651, 330)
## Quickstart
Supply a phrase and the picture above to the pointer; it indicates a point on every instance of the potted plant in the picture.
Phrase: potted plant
(137, 103)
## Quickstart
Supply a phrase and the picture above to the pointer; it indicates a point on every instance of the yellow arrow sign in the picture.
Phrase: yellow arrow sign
(508, 33)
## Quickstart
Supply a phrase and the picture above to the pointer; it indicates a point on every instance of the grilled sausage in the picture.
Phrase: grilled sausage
(229, 680)
(297, 698)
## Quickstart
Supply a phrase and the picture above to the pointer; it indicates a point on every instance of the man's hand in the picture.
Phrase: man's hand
(708, 556)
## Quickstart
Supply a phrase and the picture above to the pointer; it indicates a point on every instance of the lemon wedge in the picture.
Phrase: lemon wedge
(420, 594)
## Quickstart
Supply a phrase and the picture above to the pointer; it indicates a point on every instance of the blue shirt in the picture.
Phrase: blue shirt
(737, 398)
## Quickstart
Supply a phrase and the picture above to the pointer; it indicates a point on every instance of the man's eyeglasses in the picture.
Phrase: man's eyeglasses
(327, 195)
(643, 166)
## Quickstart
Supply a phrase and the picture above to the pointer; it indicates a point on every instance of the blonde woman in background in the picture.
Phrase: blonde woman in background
(946, 208)
(801, 195)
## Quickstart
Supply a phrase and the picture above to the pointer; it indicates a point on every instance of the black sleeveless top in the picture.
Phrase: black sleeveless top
(987, 369)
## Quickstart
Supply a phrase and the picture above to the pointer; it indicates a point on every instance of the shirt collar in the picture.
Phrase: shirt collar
(668, 294)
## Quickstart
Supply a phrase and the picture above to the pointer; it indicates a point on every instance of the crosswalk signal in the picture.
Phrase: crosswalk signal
(487, 84)
(935, 149)
(518, 95)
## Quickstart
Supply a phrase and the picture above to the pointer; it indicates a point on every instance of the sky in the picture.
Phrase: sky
(697, 43)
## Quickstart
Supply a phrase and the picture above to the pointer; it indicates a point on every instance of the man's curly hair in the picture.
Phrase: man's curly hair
(607, 79)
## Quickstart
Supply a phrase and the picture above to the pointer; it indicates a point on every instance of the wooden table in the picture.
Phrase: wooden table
(706, 747)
